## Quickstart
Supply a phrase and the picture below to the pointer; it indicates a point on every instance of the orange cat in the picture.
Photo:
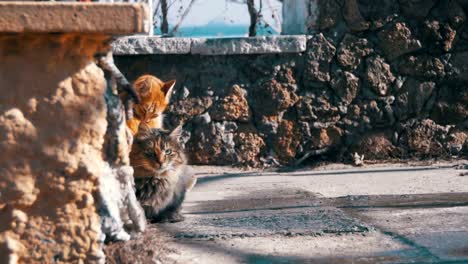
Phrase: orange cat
(154, 97)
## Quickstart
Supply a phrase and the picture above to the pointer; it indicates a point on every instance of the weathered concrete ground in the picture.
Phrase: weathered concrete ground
(333, 214)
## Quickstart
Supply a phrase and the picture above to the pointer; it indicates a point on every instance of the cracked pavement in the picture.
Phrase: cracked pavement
(394, 213)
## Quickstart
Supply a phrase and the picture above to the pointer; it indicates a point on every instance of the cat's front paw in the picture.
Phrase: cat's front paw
(175, 218)
(172, 218)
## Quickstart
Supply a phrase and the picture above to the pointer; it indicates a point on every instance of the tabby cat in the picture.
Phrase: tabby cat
(154, 96)
(162, 177)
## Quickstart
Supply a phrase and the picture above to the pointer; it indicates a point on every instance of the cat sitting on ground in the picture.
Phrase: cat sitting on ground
(162, 177)
(154, 96)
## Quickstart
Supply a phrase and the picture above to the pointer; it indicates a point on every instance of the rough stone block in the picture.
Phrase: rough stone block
(398, 40)
(320, 53)
(352, 50)
(140, 45)
(52, 125)
(257, 45)
(378, 75)
(46, 17)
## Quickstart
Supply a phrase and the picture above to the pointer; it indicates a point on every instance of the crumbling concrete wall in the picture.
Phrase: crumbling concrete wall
(52, 126)
(388, 79)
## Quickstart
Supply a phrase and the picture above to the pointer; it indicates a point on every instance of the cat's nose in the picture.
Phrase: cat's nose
(159, 160)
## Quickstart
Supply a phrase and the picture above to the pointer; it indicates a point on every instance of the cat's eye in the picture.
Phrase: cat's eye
(168, 151)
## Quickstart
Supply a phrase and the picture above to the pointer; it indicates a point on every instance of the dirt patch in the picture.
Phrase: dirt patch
(150, 247)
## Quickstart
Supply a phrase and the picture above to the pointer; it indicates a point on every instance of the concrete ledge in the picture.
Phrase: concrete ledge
(53, 17)
(135, 45)
(145, 45)
(258, 45)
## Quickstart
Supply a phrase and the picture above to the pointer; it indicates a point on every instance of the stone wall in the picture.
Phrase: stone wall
(388, 79)
(51, 137)
(52, 127)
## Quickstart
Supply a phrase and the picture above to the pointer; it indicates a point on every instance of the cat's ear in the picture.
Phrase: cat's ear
(143, 86)
(177, 132)
(167, 89)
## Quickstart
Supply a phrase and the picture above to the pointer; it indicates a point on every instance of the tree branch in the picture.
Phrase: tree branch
(253, 18)
(164, 23)
(187, 10)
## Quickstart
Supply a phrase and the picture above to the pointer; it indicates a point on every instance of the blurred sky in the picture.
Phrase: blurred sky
(221, 11)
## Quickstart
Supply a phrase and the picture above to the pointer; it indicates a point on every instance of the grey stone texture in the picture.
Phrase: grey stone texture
(143, 45)
(136, 45)
(374, 79)
(257, 45)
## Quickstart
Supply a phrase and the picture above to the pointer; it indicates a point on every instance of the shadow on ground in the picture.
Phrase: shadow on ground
(298, 173)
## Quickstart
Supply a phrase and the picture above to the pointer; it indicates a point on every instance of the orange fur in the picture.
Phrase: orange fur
(154, 96)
